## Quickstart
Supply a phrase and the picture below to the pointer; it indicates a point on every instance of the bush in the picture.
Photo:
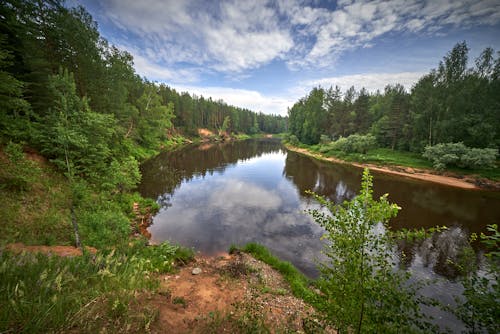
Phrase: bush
(293, 140)
(354, 144)
(324, 139)
(479, 158)
(457, 154)
(362, 289)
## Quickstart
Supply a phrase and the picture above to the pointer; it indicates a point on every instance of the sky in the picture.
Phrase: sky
(265, 55)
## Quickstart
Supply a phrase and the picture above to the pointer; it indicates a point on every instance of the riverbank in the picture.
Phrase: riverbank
(123, 284)
(224, 293)
(230, 293)
(448, 179)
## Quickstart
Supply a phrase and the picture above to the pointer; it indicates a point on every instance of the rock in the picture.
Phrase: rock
(196, 271)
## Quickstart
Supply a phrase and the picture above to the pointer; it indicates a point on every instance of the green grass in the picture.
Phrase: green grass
(388, 157)
(385, 156)
(299, 284)
(42, 294)
(40, 212)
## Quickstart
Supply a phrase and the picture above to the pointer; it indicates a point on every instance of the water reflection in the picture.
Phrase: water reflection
(212, 196)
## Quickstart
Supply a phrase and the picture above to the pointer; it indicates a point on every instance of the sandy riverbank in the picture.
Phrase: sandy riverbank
(464, 182)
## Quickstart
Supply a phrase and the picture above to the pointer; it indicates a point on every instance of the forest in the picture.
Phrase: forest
(77, 124)
(65, 88)
(452, 104)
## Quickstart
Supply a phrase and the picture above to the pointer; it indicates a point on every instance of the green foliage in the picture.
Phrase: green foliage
(75, 138)
(14, 118)
(453, 103)
(41, 294)
(353, 144)
(324, 139)
(362, 290)
(226, 124)
(479, 308)
(457, 154)
(123, 175)
(293, 140)
(476, 158)
(17, 172)
(162, 258)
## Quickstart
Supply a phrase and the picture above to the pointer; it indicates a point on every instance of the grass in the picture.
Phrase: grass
(385, 156)
(388, 157)
(39, 213)
(39, 293)
(42, 293)
(299, 284)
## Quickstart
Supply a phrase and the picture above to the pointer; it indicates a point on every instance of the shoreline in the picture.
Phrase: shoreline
(466, 182)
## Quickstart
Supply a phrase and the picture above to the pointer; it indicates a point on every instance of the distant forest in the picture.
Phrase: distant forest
(453, 103)
(56, 69)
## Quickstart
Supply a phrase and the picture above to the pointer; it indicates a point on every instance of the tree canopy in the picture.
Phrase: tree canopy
(453, 103)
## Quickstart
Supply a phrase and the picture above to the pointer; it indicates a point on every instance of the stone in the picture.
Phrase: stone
(196, 271)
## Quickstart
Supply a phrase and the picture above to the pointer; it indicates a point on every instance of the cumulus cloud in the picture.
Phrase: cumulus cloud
(155, 71)
(371, 81)
(229, 36)
(243, 195)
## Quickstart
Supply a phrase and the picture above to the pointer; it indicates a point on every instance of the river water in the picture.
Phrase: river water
(215, 195)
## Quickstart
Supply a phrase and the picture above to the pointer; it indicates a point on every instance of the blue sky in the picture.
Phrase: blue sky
(265, 55)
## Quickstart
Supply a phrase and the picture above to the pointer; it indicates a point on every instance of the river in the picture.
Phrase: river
(214, 195)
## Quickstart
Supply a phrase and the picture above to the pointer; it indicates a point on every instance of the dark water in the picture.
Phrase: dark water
(213, 196)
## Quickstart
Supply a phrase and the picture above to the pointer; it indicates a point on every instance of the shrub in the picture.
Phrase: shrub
(362, 289)
(355, 143)
(324, 139)
(293, 140)
(479, 158)
(457, 154)
(478, 307)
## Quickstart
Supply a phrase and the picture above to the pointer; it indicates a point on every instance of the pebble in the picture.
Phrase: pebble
(196, 271)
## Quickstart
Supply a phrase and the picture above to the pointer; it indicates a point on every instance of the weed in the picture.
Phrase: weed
(179, 301)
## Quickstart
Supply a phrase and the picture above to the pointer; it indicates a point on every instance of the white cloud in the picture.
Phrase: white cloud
(370, 81)
(154, 71)
(356, 23)
(229, 36)
(243, 98)
(234, 37)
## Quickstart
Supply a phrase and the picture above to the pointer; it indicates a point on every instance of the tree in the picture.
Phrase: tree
(76, 139)
(392, 128)
(154, 117)
(14, 118)
(315, 117)
(362, 289)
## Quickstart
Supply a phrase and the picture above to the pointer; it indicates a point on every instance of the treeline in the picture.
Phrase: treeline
(194, 112)
(67, 92)
(453, 103)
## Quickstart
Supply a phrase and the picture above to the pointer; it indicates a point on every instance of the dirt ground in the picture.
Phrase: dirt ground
(233, 293)
(205, 132)
(465, 182)
(65, 251)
